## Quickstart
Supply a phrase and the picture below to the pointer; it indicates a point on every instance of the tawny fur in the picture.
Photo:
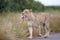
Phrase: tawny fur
(35, 21)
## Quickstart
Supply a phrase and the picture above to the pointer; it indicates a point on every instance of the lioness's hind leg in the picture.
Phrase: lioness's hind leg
(47, 30)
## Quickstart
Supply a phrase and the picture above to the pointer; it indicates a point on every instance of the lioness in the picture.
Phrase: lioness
(36, 21)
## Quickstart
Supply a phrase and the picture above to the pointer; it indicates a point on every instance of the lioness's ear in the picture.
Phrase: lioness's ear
(30, 10)
(25, 11)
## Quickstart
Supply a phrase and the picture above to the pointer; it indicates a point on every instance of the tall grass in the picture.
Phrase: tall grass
(55, 21)
(10, 29)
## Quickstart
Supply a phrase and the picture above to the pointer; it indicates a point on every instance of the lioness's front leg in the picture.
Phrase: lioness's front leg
(39, 31)
(30, 29)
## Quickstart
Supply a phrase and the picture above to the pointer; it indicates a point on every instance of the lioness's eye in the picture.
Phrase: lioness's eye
(23, 17)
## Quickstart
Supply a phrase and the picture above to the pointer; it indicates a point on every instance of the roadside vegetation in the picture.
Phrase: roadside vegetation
(10, 29)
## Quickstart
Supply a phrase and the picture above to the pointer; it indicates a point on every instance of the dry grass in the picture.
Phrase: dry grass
(55, 22)
(10, 29)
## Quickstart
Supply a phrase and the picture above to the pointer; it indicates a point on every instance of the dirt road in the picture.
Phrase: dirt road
(51, 37)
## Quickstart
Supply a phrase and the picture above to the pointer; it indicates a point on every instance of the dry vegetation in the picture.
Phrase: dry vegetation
(10, 29)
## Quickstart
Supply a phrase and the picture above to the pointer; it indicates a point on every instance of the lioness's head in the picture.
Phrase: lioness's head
(25, 14)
